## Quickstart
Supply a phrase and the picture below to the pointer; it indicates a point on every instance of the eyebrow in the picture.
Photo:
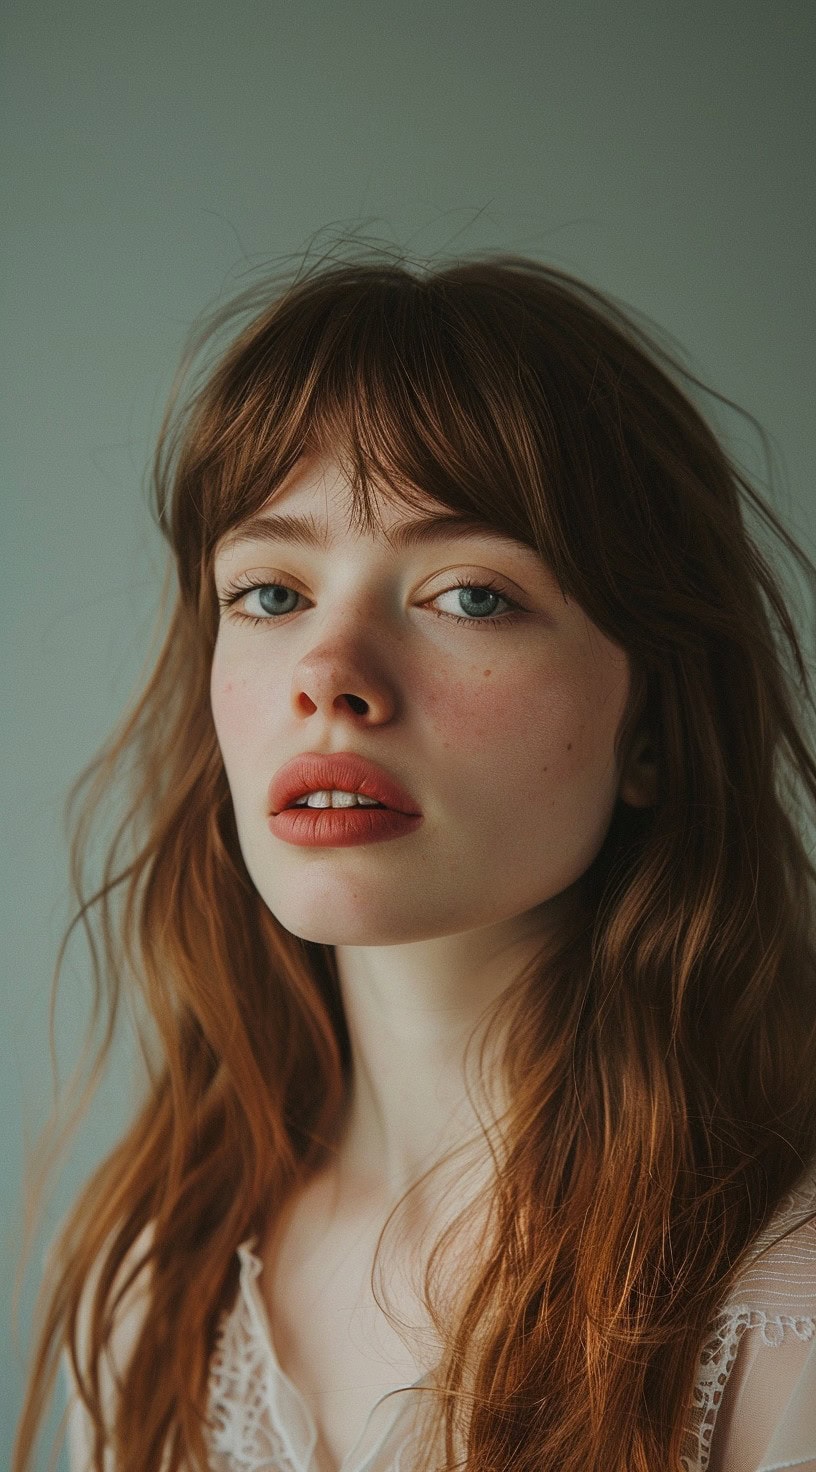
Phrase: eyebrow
(273, 527)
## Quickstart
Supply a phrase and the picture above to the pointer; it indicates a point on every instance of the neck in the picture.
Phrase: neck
(411, 1010)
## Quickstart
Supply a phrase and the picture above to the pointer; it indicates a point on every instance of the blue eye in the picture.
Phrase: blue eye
(487, 590)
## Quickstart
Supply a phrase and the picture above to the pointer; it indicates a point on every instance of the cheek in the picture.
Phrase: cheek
(538, 744)
(235, 701)
(523, 724)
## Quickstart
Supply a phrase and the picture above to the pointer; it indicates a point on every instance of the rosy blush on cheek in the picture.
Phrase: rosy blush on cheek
(492, 740)
(237, 708)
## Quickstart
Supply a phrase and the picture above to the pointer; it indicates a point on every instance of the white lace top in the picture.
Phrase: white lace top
(756, 1380)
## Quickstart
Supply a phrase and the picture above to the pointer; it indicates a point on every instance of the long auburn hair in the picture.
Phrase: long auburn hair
(661, 1067)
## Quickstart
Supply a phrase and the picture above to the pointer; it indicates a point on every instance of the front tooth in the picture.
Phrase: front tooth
(344, 800)
(318, 800)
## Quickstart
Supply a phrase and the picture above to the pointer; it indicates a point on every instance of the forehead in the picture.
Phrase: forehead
(315, 507)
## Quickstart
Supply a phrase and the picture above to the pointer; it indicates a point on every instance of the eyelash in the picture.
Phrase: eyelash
(235, 590)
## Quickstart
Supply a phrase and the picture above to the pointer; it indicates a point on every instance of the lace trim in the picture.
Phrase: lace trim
(249, 1426)
(719, 1352)
(241, 1428)
(716, 1363)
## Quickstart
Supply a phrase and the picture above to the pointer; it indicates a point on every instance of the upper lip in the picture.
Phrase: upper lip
(341, 771)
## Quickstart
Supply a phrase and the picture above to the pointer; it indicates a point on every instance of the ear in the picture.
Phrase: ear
(638, 785)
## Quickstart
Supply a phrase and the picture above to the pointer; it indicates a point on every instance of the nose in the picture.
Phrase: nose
(350, 666)
(336, 686)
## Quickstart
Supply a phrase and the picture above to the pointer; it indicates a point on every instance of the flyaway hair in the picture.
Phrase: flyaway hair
(661, 1067)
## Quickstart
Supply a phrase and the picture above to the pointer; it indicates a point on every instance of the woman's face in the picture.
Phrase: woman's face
(502, 732)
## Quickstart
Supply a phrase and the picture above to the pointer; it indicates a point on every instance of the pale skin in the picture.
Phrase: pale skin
(504, 734)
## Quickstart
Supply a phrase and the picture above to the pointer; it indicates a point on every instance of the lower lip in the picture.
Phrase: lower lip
(341, 827)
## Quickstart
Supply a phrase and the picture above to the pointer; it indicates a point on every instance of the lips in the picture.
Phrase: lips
(342, 771)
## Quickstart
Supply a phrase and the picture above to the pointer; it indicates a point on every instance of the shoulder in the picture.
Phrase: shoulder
(757, 1386)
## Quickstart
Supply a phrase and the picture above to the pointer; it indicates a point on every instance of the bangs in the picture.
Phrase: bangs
(416, 389)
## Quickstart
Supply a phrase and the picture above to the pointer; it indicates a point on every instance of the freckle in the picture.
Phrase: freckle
(569, 746)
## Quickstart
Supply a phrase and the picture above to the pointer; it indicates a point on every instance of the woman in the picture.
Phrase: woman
(459, 560)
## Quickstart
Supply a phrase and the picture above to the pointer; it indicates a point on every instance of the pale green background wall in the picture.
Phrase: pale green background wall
(152, 150)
